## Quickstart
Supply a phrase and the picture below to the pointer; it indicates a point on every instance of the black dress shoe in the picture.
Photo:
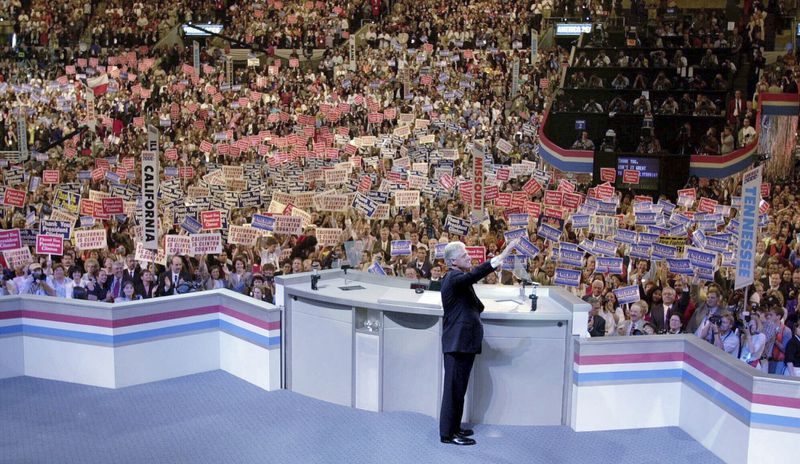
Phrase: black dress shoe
(457, 440)
(465, 433)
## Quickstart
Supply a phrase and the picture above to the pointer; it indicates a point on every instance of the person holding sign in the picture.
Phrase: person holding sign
(462, 334)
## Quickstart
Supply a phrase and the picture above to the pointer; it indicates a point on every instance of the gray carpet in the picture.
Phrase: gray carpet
(216, 418)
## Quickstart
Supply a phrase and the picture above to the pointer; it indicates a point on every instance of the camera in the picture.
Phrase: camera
(40, 277)
(715, 319)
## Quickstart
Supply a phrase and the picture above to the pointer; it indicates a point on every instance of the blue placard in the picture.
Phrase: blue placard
(700, 258)
(456, 226)
(62, 228)
(549, 232)
(515, 234)
(645, 219)
(401, 247)
(580, 221)
(191, 225)
(641, 251)
(716, 243)
(626, 295)
(569, 277)
(604, 247)
(570, 257)
(680, 266)
(699, 238)
(263, 222)
(518, 220)
(580, 124)
(625, 236)
(526, 247)
(365, 204)
(376, 268)
(646, 238)
(612, 265)
(661, 251)
(587, 246)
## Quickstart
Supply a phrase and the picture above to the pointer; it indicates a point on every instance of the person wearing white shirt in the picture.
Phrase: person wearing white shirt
(753, 342)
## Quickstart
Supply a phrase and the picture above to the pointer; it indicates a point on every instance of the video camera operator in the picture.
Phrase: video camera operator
(719, 330)
(35, 283)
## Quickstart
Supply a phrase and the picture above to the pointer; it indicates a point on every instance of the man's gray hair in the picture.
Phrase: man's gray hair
(452, 251)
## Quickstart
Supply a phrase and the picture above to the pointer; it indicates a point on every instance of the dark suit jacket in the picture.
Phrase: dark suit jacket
(162, 289)
(426, 267)
(462, 331)
(598, 326)
(678, 306)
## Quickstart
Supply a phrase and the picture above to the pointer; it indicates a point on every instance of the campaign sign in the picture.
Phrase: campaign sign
(700, 258)
(627, 295)
(527, 248)
(630, 176)
(699, 238)
(204, 244)
(51, 176)
(438, 252)
(661, 251)
(191, 225)
(570, 257)
(211, 219)
(62, 228)
(667, 205)
(612, 265)
(49, 245)
(365, 204)
(477, 252)
(580, 221)
(456, 226)
(604, 247)
(586, 245)
(625, 236)
(14, 197)
(716, 243)
(515, 234)
(401, 247)
(646, 238)
(607, 207)
(568, 246)
(518, 220)
(28, 237)
(569, 277)
(113, 206)
(376, 268)
(680, 266)
(263, 222)
(608, 175)
(641, 251)
(704, 274)
(645, 219)
(549, 232)
(10, 239)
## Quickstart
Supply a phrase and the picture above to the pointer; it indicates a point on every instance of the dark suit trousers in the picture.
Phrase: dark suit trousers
(457, 367)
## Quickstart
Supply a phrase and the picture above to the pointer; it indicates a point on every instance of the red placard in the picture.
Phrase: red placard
(608, 174)
(87, 207)
(534, 208)
(532, 187)
(689, 192)
(49, 245)
(630, 176)
(554, 213)
(186, 173)
(51, 176)
(112, 206)
(477, 252)
(605, 191)
(211, 220)
(503, 200)
(10, 239)
(572, 200)
(553, 198)
(765, 189)
(565, 186)
(706, 205)
(14, 197)
(491, 193)
(171, 154)
(503, 174)
(98, 174)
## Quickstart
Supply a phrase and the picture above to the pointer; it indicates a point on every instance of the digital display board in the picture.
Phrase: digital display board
(191, 31)
(648, 169)
(572, 29)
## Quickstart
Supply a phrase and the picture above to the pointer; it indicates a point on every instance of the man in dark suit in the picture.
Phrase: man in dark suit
(661, 312)
(462, 335)
(169, 280)
(383, 245)
(421, 262)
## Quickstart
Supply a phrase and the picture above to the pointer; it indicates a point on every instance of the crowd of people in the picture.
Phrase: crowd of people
(339, 148)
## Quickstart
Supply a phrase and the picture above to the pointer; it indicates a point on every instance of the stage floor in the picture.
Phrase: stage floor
(216, 418)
